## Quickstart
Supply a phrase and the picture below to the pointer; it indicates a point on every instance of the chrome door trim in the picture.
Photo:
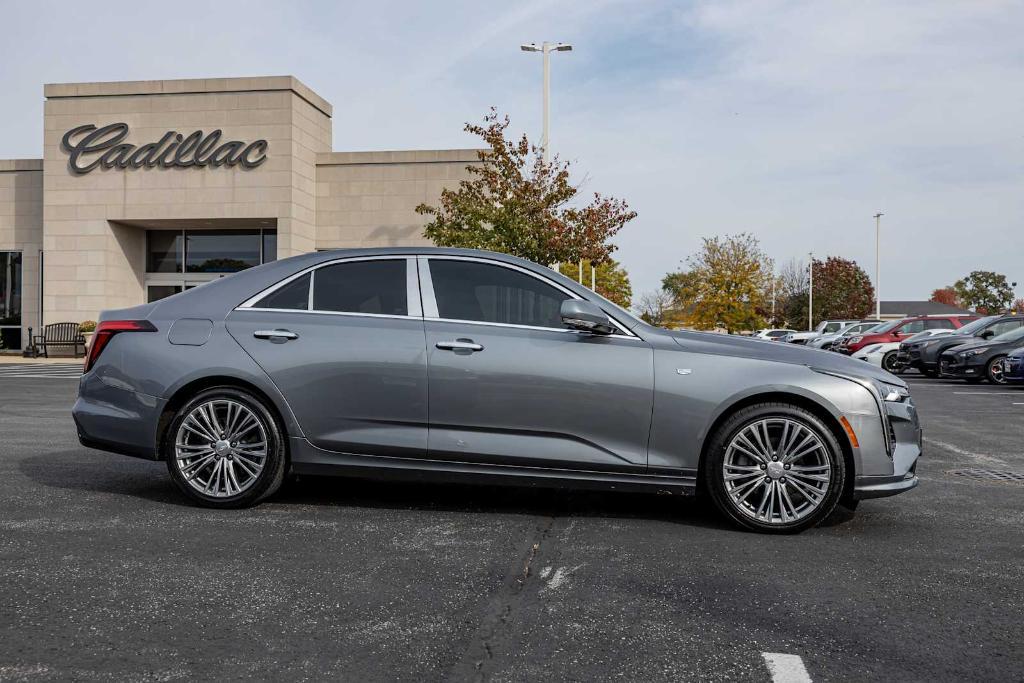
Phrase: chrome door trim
(430, 310)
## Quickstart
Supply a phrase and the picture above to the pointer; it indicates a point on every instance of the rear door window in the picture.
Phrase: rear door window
(373, 287)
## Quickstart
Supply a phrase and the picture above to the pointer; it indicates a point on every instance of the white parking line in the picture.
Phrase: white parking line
(786, 668)
(988, 393)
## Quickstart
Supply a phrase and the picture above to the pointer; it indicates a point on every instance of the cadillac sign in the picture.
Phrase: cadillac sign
(89, 147)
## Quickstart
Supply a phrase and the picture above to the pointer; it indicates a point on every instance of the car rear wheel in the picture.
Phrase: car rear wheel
(774, 468)
(994, 371)
(224, 449)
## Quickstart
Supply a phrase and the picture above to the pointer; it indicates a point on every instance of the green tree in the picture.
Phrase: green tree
(610, 278)
(518, 204)
(725, 284)
(983, 289)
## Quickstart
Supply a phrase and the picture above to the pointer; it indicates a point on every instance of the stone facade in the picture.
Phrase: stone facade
(91, 227)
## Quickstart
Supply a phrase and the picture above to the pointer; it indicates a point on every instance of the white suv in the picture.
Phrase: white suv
(824, 327)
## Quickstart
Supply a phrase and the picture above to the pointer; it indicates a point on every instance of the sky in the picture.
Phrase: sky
(794, 121)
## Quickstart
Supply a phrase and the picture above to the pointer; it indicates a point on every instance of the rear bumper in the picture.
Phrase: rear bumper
(117, 420)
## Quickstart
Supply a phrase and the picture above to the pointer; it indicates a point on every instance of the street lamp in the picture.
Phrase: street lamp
(878, 284)
(810, 295)
(546, 49)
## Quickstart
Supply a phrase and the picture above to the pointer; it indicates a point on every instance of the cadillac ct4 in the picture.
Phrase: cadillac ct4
(457, 365)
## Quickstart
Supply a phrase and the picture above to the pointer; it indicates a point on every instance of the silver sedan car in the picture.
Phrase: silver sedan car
(461, 365)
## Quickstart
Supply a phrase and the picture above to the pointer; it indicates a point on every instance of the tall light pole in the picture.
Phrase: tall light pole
(878, 283)
(546, 49)
(810, 295)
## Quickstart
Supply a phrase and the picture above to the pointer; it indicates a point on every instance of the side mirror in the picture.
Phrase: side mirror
(583, 315)
(987, 334)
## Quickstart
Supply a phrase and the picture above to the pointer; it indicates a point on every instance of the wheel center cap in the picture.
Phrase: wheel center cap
(222, 447)
(775, 470)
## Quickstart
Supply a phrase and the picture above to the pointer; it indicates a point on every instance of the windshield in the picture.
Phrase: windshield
(928, 333)
(865, 327)
(971, 328)
(1011, 336)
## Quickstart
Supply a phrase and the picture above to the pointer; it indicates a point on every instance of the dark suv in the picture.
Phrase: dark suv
(923, 354)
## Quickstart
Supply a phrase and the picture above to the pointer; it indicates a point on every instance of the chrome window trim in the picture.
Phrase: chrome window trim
(413, 306)
(343, 313)
(430, 310)
(563, 330)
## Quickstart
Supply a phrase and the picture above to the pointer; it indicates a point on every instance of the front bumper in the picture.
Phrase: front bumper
(961, 370)
(906, 438)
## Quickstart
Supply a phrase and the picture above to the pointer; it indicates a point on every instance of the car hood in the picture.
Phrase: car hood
(988, 345)
(706, 342)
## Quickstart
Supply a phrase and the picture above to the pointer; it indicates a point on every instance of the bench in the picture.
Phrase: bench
(60, 334)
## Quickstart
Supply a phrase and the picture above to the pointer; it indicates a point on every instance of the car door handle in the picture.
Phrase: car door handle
(459, 345)
(283, 335)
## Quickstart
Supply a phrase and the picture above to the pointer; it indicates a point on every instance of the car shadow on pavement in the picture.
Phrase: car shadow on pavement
(95, 472)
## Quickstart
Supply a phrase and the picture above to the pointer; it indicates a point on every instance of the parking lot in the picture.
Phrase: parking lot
(108, 574)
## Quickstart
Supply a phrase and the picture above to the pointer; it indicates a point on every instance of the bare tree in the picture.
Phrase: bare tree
(654, 307)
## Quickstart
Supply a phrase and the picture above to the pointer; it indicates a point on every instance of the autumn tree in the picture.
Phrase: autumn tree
(517, 203)
(610, 279)
(842, 290)
(1017, 306)
(983, 289)
(725, 284)
(945, 295)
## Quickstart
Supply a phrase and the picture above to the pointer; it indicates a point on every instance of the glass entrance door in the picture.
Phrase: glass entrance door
(10, 301)
(177, 260)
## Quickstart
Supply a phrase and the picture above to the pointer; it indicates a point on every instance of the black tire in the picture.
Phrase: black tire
(994, 371)
(268, 480)
(713, 477)
(890, 364)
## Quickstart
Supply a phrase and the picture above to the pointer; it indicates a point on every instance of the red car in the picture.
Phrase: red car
(898, 330)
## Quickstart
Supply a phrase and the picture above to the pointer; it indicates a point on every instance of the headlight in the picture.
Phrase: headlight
(890, 392)
(856, 340)
(971, 354)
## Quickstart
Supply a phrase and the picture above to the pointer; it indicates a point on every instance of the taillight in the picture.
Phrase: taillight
(106, 330)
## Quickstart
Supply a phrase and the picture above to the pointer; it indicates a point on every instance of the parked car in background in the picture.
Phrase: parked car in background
(981, 359)
(771, 335)
(923, 354)
(826, 341)
(458, 365)
(886, 356)
(898, 330)
(1013, 367)
(824, 327)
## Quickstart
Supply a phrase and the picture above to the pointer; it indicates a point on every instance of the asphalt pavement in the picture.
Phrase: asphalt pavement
(107, 573)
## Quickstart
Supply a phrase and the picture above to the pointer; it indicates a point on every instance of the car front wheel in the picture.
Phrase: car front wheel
(891, 363)
(774, 468)
(994, 371)
(224, 449)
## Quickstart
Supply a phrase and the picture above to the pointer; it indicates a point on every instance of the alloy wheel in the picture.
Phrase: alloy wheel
(777, 470)
(995, 371)
(220, 448)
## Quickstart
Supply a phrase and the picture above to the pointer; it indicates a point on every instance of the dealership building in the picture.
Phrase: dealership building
(147, 188)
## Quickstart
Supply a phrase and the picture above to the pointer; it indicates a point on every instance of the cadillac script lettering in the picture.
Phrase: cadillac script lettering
(89, 147)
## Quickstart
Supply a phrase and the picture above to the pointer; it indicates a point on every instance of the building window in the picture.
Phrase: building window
(208, 251)
(10, 300)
